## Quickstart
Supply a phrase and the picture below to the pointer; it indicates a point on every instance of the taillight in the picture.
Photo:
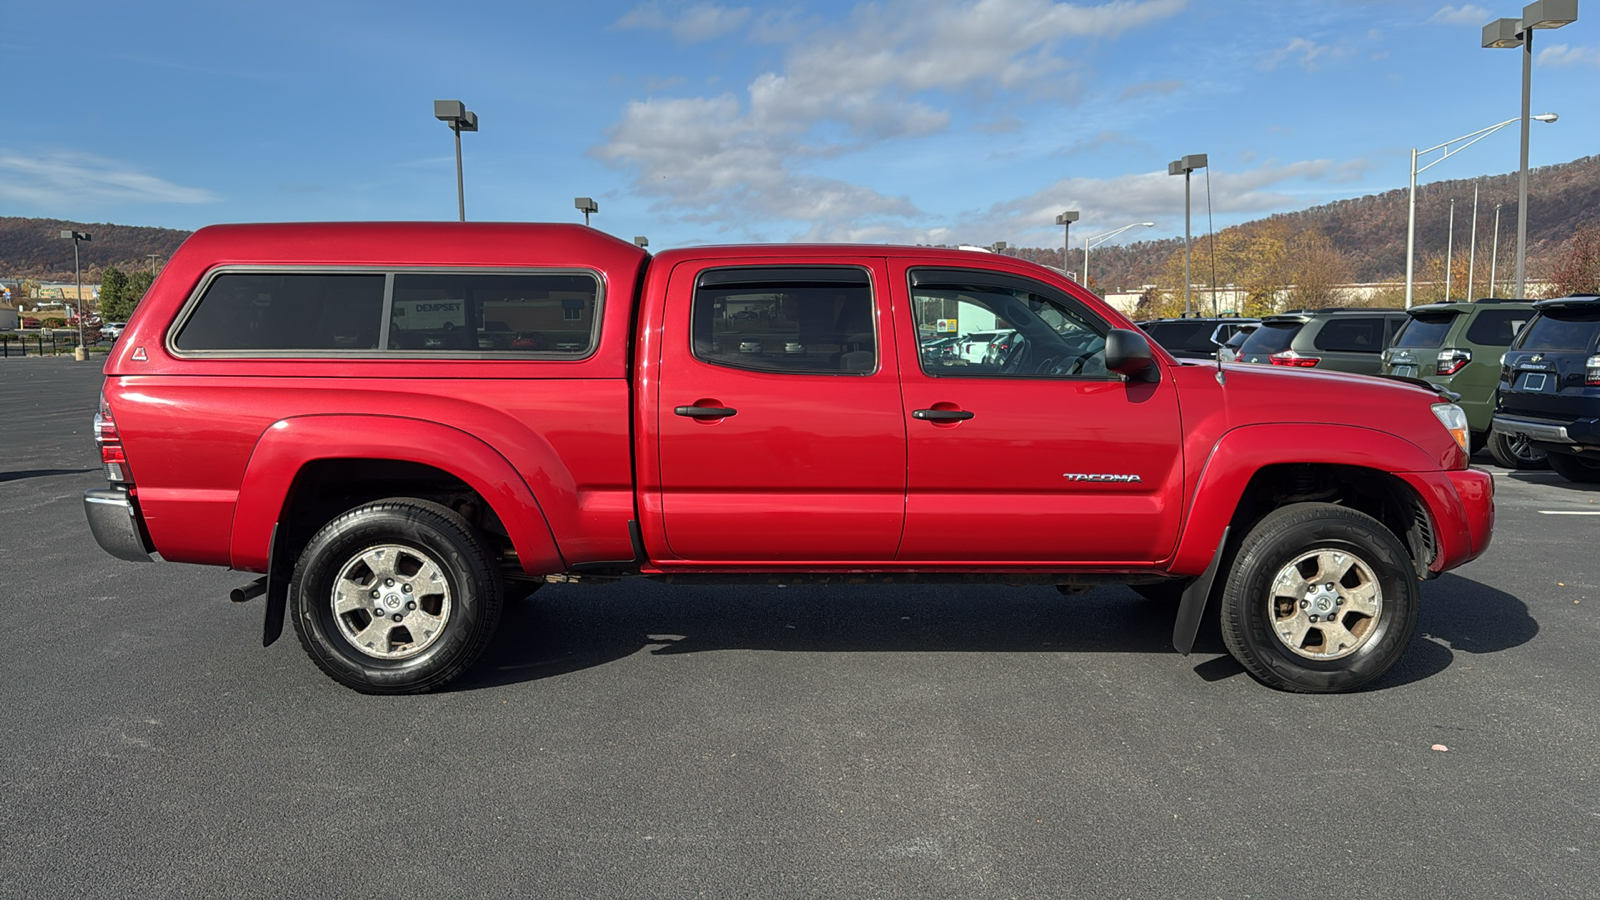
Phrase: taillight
(1451, 361)
(112, 458)
(1591, 370)
(1295, 359)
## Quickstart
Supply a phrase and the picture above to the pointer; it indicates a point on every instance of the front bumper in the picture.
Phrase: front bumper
(1461, 505)
(115, 524)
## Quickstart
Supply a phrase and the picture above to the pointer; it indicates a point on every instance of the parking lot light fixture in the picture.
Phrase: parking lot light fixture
(1089, 242)
(455, 114)
(78, 237)
(1466, 140)
(1186, 167)
(586, 205)
(1505, 34)
(641, 241)
(1065, 220)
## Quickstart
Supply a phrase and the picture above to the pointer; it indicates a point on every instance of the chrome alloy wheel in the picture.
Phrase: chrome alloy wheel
(1325, 604)
(391, 602)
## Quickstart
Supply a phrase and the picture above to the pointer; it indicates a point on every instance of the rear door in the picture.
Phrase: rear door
(1039, 456)
(780, 436)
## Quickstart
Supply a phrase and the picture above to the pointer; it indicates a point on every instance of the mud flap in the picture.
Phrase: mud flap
(1193, 605)
(277, 592)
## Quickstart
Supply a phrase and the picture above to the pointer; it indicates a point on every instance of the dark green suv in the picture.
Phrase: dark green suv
(1336, 339)
(1457, 346)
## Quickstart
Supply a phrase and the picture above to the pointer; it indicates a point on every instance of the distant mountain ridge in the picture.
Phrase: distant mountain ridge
(1370, 231)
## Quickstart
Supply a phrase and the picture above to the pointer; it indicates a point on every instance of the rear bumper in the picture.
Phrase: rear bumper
(1461, 504)
(1536, 429)
(114, 521)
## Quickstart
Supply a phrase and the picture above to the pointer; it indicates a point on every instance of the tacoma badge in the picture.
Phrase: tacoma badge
(1079, 476)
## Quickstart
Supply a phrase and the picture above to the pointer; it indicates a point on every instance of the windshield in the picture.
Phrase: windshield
(1562, 329)
(1271, 337)
(1425, 331)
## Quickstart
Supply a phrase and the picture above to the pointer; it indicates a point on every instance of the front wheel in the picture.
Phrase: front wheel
(1572, 467)
(1321, 599)
(396, 597)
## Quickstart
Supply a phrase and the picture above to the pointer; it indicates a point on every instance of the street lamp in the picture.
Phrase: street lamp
(1065, 220)
(1506, 33)
(76, 237)
(586, 206)
(641, 241)
(1102, 238)
(1185, 167)
(455, 114)
(153, 257)
(1411, 218)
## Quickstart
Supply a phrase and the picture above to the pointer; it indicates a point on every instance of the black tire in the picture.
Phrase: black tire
(1259, 601)
(1575, 468)
(1515, 452)
(431, 572)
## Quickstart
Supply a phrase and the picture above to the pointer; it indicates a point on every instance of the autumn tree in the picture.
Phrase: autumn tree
(1577, 268)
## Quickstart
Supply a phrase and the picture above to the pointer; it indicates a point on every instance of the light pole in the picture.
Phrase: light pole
(455, 114)
(1065, 220)
(1102, 238)
(1185, 167)
(1411, 218)
(1450, 252)
(641, 241)
(153, 257)
(1472, 255)
(1494, 257)
(77, 275)
(1506, 33)
(586, 206)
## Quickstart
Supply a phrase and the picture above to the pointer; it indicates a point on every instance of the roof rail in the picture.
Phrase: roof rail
(1503, 300)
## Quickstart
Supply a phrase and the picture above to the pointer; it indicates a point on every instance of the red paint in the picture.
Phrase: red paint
(811, 473)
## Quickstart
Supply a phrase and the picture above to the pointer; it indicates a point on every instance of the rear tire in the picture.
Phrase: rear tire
(1575, 468)
(1320, 599)
(1515, 452)
(400, 596)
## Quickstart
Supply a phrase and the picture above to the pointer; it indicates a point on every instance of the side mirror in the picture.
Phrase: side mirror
(1128, 352)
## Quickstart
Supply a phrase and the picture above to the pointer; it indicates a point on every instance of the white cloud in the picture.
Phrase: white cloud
(1310, 55)
(1466, 15)
(889, 72)
(700, 22)
(1564, 55)
(66, 178)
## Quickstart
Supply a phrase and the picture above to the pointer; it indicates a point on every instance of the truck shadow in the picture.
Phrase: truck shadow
(564, 629)
(40, 473)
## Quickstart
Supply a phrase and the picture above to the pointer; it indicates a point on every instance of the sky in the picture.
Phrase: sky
(701, 121)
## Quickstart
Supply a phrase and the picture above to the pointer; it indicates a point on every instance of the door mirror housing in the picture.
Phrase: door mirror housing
(1128, 353)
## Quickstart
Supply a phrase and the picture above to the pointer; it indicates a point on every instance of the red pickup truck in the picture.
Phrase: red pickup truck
(400, 425)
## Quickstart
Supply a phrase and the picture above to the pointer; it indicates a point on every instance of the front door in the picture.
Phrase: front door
(1029, 451)
(780, 435)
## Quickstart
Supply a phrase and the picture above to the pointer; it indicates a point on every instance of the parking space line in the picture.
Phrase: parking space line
(1569, 512)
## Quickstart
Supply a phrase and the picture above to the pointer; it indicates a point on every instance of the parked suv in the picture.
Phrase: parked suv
(1549, 390)
(1337, 339)
(1457, 346)
(1195, 337)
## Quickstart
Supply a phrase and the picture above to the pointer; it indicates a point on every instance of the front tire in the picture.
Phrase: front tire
(400, 596)
(1321, 599)
(1516, 451)
(1575, 468)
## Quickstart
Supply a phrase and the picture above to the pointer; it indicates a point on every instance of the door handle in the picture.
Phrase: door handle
(705, 412)
(941, 415)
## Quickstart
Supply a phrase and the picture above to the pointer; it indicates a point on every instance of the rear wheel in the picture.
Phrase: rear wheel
(1515, 451)
(1321, 599)
(396, 597)
(1576, 468)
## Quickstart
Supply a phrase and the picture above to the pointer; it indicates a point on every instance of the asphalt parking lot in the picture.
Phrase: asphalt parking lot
(643, 740)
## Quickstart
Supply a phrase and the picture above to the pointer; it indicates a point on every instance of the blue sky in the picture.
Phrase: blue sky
(693, 121)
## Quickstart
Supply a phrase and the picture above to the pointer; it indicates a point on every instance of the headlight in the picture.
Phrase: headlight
(1454, 421)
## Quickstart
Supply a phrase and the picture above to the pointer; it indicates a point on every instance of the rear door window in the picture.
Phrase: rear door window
(1498, 327)
(1425, 331)
(1355, 334)
(801, 320)
(1271, 337)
